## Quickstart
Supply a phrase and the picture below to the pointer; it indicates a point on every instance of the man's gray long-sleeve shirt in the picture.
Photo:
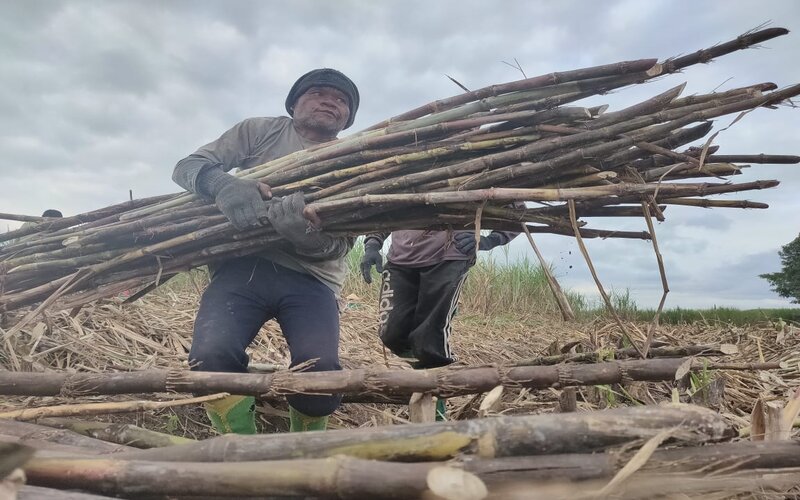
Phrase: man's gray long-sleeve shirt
(253, 142)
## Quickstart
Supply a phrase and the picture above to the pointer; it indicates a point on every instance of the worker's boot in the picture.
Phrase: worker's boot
(233, 414)
(441, 410)
(300, 422)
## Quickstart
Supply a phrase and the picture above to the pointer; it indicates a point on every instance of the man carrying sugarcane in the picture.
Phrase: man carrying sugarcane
(420, 288)
(296, 283)
(50, 213)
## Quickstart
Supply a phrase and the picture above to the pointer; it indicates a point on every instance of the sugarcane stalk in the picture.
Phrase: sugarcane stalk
(741, 42)
(596, 179)
(759, 158)
(27, 431)
(712, 459)
(64, 222)
(688, 170)
(335, 477)
(443, 383)
(45, 447)
(626, 198)
(28, 492)
(525, 84)
(655, 352)
(510, 194)
(555, 288)
(425, 155)
(699, 202)
(672, 141)
(21, 218)
(486, 437)
(750, 90)
(102, 408)
(119, 433)
(620, 211)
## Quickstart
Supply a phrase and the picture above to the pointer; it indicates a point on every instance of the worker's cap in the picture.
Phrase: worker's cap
(325, 77)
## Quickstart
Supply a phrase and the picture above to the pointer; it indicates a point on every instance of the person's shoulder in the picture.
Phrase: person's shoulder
(266, 122)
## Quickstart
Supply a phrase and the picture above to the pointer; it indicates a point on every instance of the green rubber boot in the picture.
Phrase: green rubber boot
(441, 410)
(233, 414)
(299, 422)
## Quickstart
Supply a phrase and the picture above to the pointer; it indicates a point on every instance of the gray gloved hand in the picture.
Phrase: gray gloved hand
(491, 241)
(241, 200)
(372, 256)
(286, 216)
(465, 242)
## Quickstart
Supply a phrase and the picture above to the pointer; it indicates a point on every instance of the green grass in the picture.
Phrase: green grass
(518, 287)
(726, 315)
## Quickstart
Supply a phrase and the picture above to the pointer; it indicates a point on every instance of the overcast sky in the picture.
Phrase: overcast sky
(99, 97)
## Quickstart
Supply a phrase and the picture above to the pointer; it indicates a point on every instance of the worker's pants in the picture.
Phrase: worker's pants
(416, 310)
(245, 293)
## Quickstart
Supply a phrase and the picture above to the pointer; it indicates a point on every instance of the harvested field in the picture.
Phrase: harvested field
(155, 332)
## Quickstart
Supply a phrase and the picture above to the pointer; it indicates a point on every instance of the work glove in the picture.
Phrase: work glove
(465, 243)
(286, 216)
(372, 257)
(491, 241)
(241, 200)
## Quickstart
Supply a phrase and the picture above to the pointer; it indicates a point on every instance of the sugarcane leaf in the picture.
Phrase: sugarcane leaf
(491, 402)
(773, 416)
(639, 459)
(421, 408)
(790, 412)
(10, 486)
(758, 425)
(684, 369)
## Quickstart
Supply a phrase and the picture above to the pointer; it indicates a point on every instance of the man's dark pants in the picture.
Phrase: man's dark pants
(416, 310)
(244, 294)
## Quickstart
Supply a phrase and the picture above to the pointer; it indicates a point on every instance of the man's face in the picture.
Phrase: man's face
(322, 108)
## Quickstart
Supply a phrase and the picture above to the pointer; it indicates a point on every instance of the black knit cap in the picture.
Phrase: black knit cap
(324, 77)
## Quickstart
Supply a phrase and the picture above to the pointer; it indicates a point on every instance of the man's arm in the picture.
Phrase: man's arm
(499, 238)
(204, 172)
(223, 155)
(496, 239)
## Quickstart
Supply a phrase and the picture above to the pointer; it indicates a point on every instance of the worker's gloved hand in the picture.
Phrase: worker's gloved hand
(286, 216)
(241, 200)
(491, 241)
(465, 243)
(372, 257)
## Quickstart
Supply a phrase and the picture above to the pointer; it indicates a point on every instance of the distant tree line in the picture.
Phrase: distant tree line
(786, 282)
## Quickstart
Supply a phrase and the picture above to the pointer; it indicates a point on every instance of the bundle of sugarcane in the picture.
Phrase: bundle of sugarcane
(452, 163)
